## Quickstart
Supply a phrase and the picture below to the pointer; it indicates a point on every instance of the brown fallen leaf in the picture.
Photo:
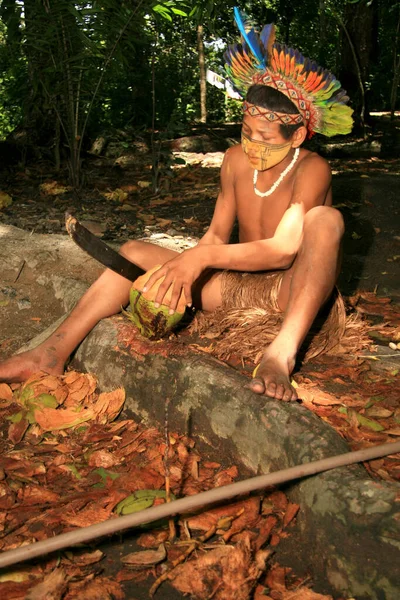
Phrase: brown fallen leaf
(291, 512)
(264, 531)
(52, 587)
(101, 588)
(276, 578)
(5, 392)
(316, 396)
(163, 222)
(250, 514)
(14, 590)
(153, 539)
(89, 516)
(394, 431)
(145, 558)
(36, 494)
(85, 558)
(52, 419)
(222, 574)
(103, 458)
(109, 405)
(276, 501)
(304, 593)
(16, 431)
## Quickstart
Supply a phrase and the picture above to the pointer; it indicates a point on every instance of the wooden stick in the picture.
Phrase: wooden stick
(190, 503)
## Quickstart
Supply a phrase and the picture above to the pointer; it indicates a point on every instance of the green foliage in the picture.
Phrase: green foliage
(96, 65)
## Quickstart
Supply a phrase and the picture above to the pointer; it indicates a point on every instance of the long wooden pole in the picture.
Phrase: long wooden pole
(185, 505)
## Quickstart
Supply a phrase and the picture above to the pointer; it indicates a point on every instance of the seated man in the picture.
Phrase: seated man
(281, 196)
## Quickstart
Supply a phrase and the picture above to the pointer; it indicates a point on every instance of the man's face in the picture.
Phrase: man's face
(262, 130)
(263, 143)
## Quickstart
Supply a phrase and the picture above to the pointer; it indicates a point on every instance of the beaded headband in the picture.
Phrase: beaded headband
(275, 117)
(314, 91)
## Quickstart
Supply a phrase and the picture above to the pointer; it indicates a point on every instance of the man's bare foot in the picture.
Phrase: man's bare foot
(273, 377)
(21, 366)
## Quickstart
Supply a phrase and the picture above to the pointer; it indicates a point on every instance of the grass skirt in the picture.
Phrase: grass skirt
(250, 318)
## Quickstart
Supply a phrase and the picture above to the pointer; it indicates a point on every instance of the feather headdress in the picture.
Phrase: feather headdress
(315, 92)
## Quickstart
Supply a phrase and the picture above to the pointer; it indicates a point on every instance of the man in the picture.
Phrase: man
(281, 196)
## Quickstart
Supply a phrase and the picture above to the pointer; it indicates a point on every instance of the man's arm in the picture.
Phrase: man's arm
(225, 208)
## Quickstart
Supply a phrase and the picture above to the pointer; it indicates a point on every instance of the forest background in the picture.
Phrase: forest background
(70, 71)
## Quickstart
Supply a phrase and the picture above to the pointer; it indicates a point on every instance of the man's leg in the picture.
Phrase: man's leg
(103, 299)
(305, 287)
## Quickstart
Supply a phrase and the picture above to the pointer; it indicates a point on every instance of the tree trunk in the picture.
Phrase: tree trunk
(358, 48)
(322, 32)
(203, 89)
(396, 70)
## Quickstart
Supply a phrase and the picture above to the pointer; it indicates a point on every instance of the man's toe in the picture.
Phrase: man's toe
(288, 395)
(270, 389)
(257, 385)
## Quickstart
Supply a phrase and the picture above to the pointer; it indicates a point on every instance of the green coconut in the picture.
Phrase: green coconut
(153, 322)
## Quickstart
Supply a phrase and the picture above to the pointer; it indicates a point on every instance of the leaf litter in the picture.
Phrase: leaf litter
(73, 465)
(359, 402)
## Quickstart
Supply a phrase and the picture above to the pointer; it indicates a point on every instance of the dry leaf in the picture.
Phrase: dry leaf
(163, 222)
(145, 558)
(118, 195)
(85, 558)
(109, 404)
(291, 512)
(52, 587)
(16, 431)
(103, 458)
(153, 539)
(276, 578)
(5, 200)
(304, 593)
(89, 516)
(101, 588)
(222, 574)
(5, 392)
(35, 494)
(53, 188)
(394, 431)
(52, 419)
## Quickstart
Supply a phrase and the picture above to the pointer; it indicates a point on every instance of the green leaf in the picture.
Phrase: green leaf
(47, 400)
(103, 473)
(369, 423)
(17, 417)
(177, 11)
(140, 500)
(74, 471)
(373, 400)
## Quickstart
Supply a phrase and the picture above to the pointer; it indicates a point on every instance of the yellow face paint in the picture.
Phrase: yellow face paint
(263, 155)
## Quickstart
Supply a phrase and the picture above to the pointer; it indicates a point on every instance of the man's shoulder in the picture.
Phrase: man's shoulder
(311, 160)
(234, 154)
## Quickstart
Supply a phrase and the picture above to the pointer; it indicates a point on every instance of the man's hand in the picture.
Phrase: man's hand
(180, 272)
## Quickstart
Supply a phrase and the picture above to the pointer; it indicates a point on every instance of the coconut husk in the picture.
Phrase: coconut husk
(250, 318)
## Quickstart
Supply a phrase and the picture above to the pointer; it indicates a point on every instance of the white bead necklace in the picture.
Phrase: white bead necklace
(279, 180)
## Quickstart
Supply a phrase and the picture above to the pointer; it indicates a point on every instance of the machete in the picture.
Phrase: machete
(100, 251)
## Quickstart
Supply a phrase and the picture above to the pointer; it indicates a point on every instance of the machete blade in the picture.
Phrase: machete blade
(100, 251)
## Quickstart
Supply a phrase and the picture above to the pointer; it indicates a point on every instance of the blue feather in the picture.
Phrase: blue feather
(267, 37)
(251, 38)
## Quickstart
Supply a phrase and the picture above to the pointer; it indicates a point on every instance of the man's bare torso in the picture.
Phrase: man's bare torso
(258, 217)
